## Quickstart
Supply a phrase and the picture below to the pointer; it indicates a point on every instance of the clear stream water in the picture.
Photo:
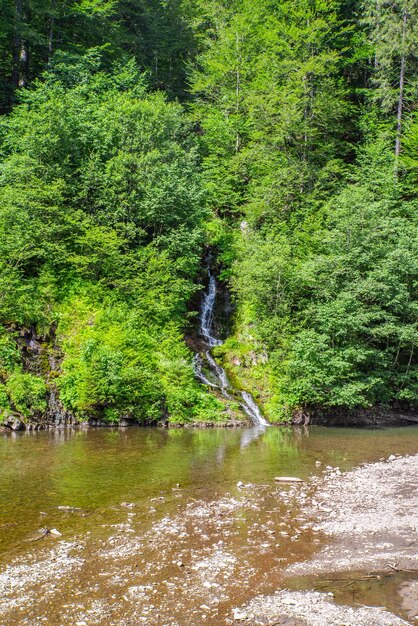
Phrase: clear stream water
(163, 472)
(97, 469)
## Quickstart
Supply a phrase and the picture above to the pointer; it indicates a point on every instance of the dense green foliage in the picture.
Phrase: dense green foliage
(309, 145)
(157, 34)
(101, 216)
(294, 154)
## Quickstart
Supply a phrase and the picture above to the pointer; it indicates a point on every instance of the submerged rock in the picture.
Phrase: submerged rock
(69, 509)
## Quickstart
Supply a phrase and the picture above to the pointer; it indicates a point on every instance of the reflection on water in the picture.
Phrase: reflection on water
(251, 434)
(98, 469)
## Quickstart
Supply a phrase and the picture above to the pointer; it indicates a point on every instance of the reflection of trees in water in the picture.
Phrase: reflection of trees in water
(301, 432)
(282, 439)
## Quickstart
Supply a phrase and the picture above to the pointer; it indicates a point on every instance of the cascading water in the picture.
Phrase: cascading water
(198, 371)
(206, 331)
(251, 408)
(206, 313)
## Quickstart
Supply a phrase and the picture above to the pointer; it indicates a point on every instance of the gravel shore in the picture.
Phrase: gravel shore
(371, 516)
(232, 559)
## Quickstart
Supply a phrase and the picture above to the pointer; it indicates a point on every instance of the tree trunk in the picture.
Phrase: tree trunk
(24, 64)
(401, 93)
(51, 38)
(17, 43)
(20, 68)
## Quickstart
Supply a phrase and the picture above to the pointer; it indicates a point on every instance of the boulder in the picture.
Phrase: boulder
(14, 423)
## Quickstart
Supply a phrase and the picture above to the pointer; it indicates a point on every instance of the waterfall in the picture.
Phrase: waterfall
(198, 371)
(206, 331)
(206, 313)
(219, 371)
(251, 408)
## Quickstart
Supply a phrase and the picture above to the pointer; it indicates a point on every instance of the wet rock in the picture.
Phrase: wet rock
(14, 423)
(126, 421)
(409, 596)
(239, 616)
(42, 532)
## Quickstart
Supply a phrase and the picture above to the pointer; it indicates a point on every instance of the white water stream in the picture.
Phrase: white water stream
(206, 330)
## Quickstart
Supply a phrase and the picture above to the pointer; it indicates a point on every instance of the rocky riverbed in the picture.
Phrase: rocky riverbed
(276, 553)
(370, 516)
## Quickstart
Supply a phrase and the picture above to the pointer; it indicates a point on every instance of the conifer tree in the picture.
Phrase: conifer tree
(393, 32)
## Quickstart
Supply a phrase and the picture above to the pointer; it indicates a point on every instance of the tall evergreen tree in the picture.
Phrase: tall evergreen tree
(393, 32)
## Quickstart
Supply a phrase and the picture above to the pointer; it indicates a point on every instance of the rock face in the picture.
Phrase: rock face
(56, 414)
(369, 418)
(42, 357)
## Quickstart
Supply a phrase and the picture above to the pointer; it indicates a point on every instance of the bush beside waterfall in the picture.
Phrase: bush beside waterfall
(102, 230)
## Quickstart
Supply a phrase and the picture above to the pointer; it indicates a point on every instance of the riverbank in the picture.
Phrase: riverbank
(359, 419)
(123, 425)
(376, 417)
(370, 515)
(251, 551)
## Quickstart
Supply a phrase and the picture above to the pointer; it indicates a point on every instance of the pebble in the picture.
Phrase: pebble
(288, 602)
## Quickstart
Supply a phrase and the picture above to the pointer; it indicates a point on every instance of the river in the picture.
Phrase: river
(145, 514)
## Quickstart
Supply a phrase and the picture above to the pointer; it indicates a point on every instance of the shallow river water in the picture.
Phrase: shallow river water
(154, 526)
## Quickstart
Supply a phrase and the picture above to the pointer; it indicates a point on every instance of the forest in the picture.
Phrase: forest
(136, 135)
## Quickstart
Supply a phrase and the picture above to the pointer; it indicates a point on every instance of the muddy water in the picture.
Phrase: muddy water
(160, 532)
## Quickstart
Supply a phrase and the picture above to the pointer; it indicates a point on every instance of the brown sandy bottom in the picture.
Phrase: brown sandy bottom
(315, 553)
